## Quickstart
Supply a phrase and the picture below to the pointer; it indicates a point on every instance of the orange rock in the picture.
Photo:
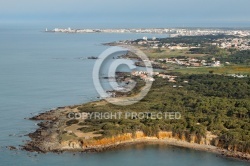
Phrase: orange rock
(164, 134)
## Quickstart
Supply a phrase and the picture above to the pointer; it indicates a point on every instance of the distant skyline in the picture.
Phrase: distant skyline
(129, 13)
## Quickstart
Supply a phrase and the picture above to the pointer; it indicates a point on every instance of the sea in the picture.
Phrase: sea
(40, 71)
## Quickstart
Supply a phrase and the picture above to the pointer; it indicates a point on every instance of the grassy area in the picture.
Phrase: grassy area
(232, 69)
(167, 53)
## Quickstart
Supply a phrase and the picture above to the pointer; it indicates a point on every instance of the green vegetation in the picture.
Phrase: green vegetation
(167, 53)
(215, 103)
(207, 98)
(192, 40)
(237, 57)
(229, 69)
(233, 56)
(71, 122)
(210, 50)
(218, 86)
(201, 47)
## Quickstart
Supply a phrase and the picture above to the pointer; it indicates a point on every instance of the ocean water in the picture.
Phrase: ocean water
(40, 71)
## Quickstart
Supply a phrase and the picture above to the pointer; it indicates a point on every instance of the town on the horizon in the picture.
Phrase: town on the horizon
(173, 32)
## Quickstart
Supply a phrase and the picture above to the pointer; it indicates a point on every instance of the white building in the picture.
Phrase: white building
(145, 38)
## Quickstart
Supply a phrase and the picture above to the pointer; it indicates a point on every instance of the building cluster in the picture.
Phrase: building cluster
(190, 62)
(237, 75)
(201, 32)
(143, 75)
(155, 44)
(149, 77)
(170, 78)
(173, 32)
(237, 43)
(123, 30)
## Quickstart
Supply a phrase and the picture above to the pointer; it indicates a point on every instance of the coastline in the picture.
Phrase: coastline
(45, 139)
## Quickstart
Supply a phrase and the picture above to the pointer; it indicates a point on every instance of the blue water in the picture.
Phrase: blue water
(40, 71)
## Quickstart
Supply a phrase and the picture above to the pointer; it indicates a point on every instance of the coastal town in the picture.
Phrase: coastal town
(237, 42)
(174, 32)
(236, 38)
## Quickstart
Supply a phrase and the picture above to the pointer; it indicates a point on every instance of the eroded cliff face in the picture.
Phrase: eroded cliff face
(165, 134)
(137, 136)
(191, 138)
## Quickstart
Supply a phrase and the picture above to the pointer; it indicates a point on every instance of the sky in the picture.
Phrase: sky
(129, 13)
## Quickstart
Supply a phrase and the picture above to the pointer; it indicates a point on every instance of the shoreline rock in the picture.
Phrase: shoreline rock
(45, 139)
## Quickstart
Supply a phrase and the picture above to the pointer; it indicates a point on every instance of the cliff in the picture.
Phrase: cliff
(81, 144)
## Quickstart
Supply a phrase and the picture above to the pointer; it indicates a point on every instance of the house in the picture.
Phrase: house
(171, 80)
(163, 76)
(216, 64)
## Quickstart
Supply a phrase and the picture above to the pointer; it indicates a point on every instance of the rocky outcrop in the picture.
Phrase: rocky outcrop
(104, 142)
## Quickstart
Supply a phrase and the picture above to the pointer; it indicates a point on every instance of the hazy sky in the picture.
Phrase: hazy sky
(130, 12)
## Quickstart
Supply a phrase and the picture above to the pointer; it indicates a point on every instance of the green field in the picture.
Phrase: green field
(167, 53)
(233, 69)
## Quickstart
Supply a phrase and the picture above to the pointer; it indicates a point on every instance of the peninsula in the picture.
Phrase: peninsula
(213, 101)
